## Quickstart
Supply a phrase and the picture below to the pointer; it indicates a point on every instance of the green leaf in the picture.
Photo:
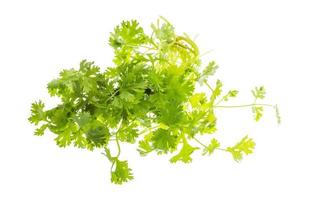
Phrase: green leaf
(214, 144)
(122, 173)
(37, 113)
(164, 33)
(64, 138)
(54, 87)
(98, 135)
(185, 153)
(164, 141)
(59, 116)
(245, 146)
(257, 112)
(216, 92)
(209, 70)
(89, 85)
(127, 96)
(83, 119)
(197, 100)
(127, 34)
(88, 68)
(128, 135)
(80, 140)
(259, 92)
(144, 148)
(230, 94)
(40, 131)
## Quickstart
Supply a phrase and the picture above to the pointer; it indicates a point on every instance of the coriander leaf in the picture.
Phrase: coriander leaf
(164, 141)
(64, 138)
(38, 113)
(127, 96)
(128, 135)
(127, 34)
(59, 117)
(80, 140)
(54, 87)
(83, 119)
(197, 100)
(257, 112)
(88, 68)
(144, 148)
(259, 92)
(171, 115)
(40, 131)
(209, 70)
(230, 94)
(214, 144)
(89, 85)
(185, 153)
(163, 126)
(245, 146)
(165, 34)
(122, 173)
(98, 135)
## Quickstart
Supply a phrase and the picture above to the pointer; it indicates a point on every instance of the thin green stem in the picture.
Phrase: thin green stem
(142, 46)
(101, 106)
(209, 86)
(118, 145)
(119, 148)
(244, 105)
(117, 139)
(114, 162)
(221, 149)
(183, 46)
(199, 142)
(112, 96)
(220, 101)
(148, 129)
(190, 42)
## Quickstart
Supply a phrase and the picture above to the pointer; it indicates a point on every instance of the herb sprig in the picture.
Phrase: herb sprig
(148, 97)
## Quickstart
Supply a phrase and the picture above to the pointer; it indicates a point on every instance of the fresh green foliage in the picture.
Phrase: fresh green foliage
(120, 171)
(38, 113)
(258, 93)
(147, 97)
(258, 112)
(209, 70)
(185, 153)
(245, 146)
(277, 114)
(214, 144)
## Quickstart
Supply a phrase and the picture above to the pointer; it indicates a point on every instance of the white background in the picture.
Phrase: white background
(268, 43)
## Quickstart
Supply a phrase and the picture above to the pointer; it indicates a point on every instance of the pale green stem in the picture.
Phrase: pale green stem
(117, 139)
(245, 105)
(112, 96)
(118, 145)
(220, 101)
(199, 142)
(221, 149)
(145, 130)
(209, 86)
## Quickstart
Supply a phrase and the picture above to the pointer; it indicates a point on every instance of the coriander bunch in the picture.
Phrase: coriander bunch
(147, 98)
